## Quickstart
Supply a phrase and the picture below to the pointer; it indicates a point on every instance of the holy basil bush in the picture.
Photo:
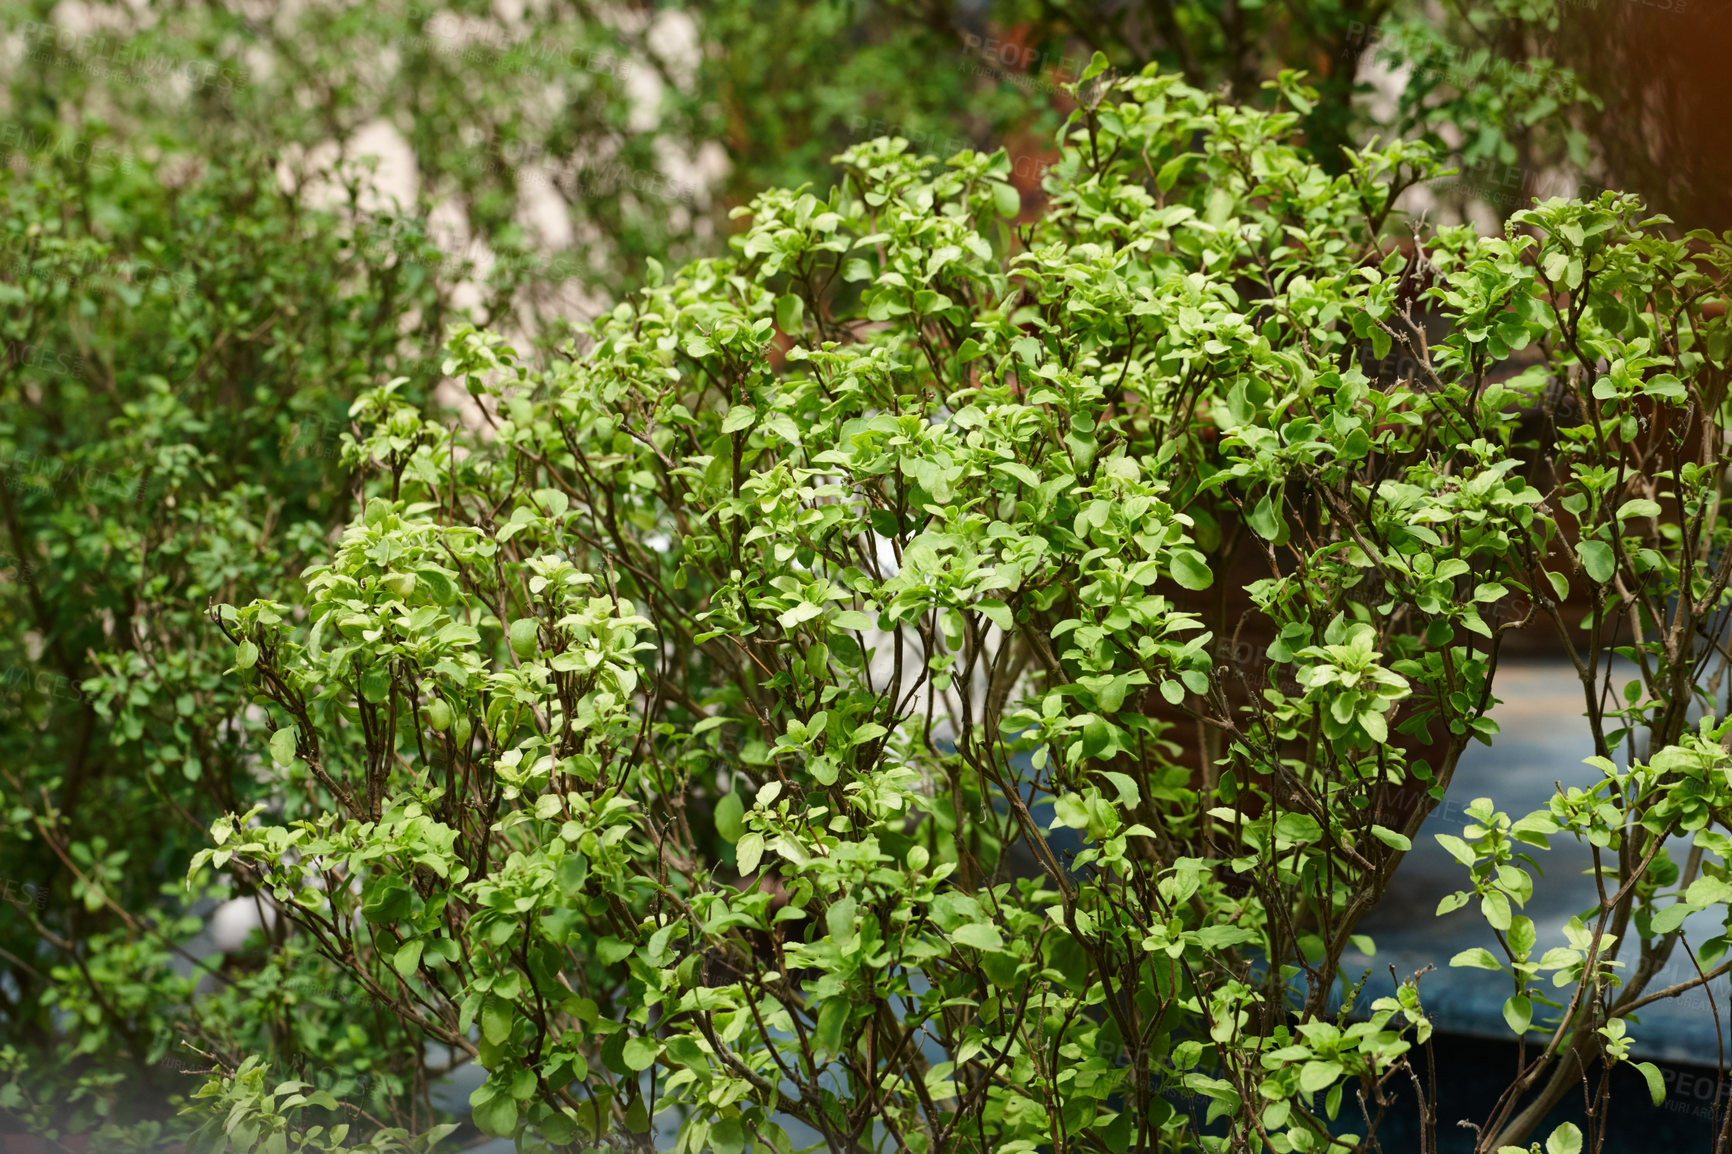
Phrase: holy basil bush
(803, 703)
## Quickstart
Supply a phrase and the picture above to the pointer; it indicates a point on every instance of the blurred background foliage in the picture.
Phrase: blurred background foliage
(218, 221)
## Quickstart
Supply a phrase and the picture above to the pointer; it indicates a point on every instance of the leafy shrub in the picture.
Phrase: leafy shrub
(180, 356)
(772, 713)
(190, 329)
(198, 282)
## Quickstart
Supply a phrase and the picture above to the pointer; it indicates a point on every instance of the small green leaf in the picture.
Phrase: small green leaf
(1518, 1012)
(1566, 1139)
(497, 1018)
(1495, 908)
(1638, 507)
(495, 1114)
(1391, 839)
(1298, 827)
(832, 1021)
(246, 655)
(1656, 1085)
(1670, 918)
(1479, 958)
(686, 1052)
(572, 872)
(853, 621)
(1190, 570)
(1597, 561)
(640, 1053)
(739, 418)
(996, 612)
(1263, 519)
(1458, 849)
(407, 957)
(749, 853)
(980, 935)
(438, 715)
(730, 814)
(524, 637)
(283, 745)
(839, 919)
(1315, 1076)
(727, 1136)
(376, 684)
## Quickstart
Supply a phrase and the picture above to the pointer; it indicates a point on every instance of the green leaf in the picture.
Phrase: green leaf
(1458, 849)
(1315, 1076)
(439, 585)
(832, 1021)
(525, 637)
(1169, 176)
(376, 684)
(1018, 470)
(246, 655)
(1522, 936)
(839, 920)
(1670, 918)
(853, 621)
(613, 950)
(573, 871)
(407, 957)
(1566, 1139)
(283, 745)
(686, 1052)
(438, 715)
(980, 935)
(1129, 794)
(730, 815)
(1391, 839)
(1656, 1085)
(495, 1114)
(640, 1053)
(1189, 569)
(749, 853)
(1597, 560)
(1518, 1012)
(790, 310)
(727, 1136)
(497, 1018)
(1298, 827)
(1495, 908)
(739, 418)
(1264, 521)
(1479, 958)
(1006, 200)
(996, 612)
(861, 734)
